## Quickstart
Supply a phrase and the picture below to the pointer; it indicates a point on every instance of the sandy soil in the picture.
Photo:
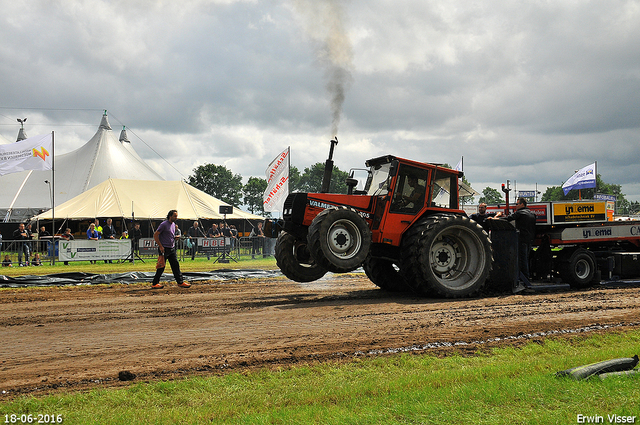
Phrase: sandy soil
(65, 338)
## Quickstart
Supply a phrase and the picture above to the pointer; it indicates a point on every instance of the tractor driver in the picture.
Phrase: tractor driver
(416, 198)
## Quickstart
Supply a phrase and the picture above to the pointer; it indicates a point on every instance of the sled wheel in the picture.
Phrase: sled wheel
(294, 260)
(579, 269)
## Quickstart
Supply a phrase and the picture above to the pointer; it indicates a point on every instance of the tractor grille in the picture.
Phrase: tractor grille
(294, 207)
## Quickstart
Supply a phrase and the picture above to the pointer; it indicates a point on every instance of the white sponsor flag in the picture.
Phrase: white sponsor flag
(277, 182)
(584, 178)
(33, 153)
(459, 165)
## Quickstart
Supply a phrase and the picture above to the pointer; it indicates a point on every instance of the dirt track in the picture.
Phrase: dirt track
(82, 337)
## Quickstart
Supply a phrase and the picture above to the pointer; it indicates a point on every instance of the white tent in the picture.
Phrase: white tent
(144, 199)
(26, 193)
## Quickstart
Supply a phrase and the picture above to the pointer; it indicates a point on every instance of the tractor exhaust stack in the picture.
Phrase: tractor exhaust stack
(328, 167)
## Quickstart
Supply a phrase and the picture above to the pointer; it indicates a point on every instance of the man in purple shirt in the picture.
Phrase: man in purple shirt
(165, 237)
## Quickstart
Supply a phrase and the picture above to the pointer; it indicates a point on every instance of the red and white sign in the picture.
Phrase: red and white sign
(277, 182)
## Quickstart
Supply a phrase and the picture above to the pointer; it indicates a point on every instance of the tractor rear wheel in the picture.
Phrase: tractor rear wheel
(339, 239)
(408, 257)
(294, 260)
(385, 274)
(454, 256)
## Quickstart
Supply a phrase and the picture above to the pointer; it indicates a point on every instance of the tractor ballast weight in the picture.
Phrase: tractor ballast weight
(405, 229)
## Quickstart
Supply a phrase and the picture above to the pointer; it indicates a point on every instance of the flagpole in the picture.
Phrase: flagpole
(53, 196)
(288, 179)
(596, 190)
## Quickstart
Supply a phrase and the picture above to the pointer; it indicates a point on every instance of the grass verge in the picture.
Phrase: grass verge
(499, 386)
(188, 265)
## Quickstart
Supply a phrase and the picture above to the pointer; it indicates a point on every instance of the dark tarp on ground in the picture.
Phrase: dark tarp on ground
(79, 278)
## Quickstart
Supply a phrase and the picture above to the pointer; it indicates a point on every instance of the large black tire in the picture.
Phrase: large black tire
(294, 260)
(385, 274)
(339, 239)
(409, 266)
(454, 255)
(578, 269)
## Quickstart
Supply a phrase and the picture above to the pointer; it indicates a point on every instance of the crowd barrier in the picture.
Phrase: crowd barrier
(20, 252)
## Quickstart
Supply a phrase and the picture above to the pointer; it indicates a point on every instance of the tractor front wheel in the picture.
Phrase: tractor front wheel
(294, 260)
(339, 239)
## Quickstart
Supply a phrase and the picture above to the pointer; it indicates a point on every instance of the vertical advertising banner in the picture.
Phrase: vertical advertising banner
(277, 182)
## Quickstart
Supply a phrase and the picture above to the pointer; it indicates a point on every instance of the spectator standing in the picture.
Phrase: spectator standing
(257, 236)
(68, 237)
(22, 236)
(98, 228)
(234, 236)
(165, 237)
(108, 232)
(30, 233)
(137, 235)
(94, 235)
(193, 234)
(213, 231)
(42, 234)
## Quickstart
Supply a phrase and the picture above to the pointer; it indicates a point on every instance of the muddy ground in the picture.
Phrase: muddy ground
(67, 338)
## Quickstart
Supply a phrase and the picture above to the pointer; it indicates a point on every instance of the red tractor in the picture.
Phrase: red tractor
(405, 229)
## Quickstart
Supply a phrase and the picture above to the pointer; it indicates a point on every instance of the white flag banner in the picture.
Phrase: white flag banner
(277, 182)
(33, 153)
(459, 165)
(582, 179)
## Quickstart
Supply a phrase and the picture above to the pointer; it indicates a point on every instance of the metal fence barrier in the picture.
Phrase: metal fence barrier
(19, 253)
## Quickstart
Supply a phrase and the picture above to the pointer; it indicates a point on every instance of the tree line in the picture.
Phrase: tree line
(491, 196)
(220, 182)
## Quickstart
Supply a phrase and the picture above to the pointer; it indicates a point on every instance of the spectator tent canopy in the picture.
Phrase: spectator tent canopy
(144, 199)
(25, 194)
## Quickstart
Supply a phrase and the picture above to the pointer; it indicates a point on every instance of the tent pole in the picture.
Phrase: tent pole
(15, 198)
(53, 197)
(133, 223)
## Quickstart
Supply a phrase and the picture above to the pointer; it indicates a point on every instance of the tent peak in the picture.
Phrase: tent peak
(123, 136)
(105, 122)
(22, 135)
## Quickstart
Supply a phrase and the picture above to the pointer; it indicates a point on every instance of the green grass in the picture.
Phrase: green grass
(500, 386)
(197, 265)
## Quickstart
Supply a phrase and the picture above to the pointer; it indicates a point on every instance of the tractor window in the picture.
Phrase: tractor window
(444, 192)
(378, 181)
(410, 190)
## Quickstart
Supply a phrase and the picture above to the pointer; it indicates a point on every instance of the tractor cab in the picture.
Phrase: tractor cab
(404, 191)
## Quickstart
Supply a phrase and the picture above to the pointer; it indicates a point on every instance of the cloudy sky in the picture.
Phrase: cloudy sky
(526, 91)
